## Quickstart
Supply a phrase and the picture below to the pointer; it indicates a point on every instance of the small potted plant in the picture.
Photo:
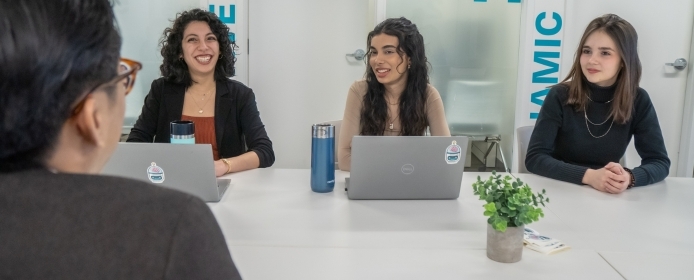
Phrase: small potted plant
(511, 204)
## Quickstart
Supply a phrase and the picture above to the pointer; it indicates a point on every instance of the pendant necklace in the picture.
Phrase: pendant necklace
(390, 126)
(200, 111)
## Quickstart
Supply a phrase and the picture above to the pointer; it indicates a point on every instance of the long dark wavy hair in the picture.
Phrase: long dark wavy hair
(175, 69)
(625, 38)
(413, 118)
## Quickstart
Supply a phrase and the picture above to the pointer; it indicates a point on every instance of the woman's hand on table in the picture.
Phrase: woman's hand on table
(610, 179)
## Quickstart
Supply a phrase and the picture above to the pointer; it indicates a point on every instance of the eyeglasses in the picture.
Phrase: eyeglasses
(127, 74)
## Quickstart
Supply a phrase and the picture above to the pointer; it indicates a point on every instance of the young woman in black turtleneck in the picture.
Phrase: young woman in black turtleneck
(587, 121)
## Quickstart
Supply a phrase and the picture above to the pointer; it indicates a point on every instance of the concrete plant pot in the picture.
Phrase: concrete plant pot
(505, 247)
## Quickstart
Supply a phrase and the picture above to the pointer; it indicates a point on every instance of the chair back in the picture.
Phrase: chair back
(524, 133)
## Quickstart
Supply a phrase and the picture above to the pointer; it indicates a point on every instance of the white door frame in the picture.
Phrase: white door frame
(685, 166)
(380, 11)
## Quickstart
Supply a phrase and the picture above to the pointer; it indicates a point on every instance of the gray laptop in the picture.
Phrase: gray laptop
(187, 168)
(406, 167)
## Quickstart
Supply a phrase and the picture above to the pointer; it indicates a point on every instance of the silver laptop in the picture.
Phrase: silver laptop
(406, 167)
(187, 168)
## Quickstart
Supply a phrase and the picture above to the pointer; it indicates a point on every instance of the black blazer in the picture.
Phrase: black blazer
(78, 226)
(237, 121)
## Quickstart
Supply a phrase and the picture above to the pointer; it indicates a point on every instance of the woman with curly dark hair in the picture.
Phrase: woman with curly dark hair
(195, 86)
(395, 98)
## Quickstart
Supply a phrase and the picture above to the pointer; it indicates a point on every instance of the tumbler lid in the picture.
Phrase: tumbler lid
(182, 128)
(323, 130)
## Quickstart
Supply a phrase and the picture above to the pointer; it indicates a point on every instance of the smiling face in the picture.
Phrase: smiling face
(390, 68)
(200, 48)
(600, 59)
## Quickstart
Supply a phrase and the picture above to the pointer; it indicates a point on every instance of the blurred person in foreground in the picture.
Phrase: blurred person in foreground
(62, 101)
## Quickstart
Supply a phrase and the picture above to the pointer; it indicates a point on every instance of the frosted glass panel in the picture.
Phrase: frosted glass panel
(142, 24)
(473, 50)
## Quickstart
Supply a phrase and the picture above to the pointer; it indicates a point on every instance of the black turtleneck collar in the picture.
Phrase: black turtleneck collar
(601, 94)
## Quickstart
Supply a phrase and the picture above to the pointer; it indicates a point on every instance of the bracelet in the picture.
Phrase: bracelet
(632, 183)
(226, 162)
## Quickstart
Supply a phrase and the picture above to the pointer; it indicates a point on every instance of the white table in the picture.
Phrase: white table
(644, 233)
(276, 227)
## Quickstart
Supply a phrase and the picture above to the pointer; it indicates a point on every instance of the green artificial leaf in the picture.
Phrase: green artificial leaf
(490, 209)
(500, 225)
(498, 205)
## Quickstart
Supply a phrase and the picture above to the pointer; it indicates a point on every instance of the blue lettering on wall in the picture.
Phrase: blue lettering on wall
(547, 43)
(230, 19)
(544, 31)
(538, 77)
(535, 98)
(549, 59)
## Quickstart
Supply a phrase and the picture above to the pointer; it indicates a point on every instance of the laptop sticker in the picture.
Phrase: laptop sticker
(453, 153)
(407, 169)
(155, 173)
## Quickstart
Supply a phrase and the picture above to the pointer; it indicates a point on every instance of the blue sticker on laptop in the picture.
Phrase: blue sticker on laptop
(453, 153)
(155, 173)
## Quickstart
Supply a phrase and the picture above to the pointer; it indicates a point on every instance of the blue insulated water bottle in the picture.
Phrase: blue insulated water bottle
(182, 132)
(323, 158)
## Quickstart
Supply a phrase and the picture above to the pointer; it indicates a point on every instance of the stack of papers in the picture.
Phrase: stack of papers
(533, 240)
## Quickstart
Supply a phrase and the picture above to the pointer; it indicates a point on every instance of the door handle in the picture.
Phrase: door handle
(679, 63)
(359, 54)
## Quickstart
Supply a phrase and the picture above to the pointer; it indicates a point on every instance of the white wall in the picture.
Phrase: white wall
(298, 68)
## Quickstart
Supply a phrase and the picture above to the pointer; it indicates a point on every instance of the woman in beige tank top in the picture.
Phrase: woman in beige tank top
(395, 97)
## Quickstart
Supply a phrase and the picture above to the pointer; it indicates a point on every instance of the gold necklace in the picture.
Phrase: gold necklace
(391, 122)
(200, 111)
(389, 97)
(585, 115)
(591, 100)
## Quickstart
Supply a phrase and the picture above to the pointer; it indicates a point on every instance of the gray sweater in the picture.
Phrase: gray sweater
(72, 226)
